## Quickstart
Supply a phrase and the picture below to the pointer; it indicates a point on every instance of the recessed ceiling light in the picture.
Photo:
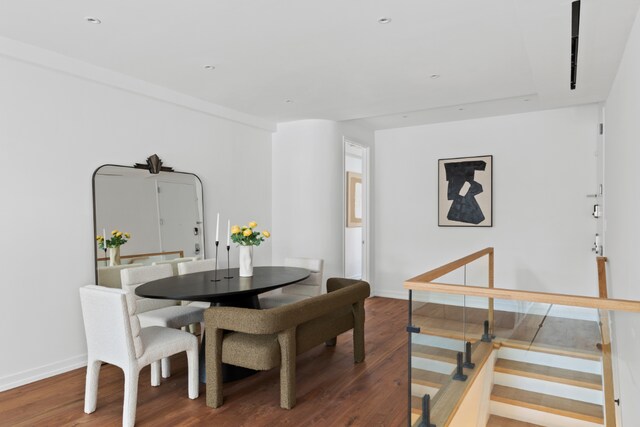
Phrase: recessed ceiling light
(526, 100)
(435, 76)
(460, 109)
(92, 20)
(405, 116)
(384, 20)
(288, 101)
(209, 67)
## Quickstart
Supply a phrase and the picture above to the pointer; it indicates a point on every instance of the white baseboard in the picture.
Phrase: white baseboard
(391, 294)
(31, 375)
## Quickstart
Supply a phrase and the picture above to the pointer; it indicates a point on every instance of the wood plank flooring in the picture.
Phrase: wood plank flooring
(332, 390)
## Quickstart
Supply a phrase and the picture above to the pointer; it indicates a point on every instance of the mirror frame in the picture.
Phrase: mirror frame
(93, 199)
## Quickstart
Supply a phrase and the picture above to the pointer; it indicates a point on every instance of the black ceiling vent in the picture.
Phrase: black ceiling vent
(575, 34)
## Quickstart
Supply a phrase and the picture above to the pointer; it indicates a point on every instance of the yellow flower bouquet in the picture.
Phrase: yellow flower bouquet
(247, 236)
(118, 238)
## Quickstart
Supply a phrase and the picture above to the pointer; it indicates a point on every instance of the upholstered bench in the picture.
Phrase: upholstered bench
(265, 339)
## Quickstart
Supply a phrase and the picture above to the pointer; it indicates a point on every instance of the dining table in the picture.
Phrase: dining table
(223, 287)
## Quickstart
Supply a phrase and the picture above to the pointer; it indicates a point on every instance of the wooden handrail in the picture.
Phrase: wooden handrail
(436, 273)
(517, 295)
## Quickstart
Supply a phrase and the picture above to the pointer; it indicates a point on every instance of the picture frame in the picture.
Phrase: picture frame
(354, 199)
(465, 192)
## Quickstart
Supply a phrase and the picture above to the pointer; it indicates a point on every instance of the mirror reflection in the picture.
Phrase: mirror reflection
(162, 215)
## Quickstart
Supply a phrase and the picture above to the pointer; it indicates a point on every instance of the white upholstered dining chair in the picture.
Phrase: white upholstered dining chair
(114, 336)
(309, 287)
(159, 312)
(110, 275)
(174, 263)
(197, 267)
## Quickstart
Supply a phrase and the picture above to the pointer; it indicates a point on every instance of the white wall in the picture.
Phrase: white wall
(308, 205)
(544, 166)
(622, 205)
(55, 130)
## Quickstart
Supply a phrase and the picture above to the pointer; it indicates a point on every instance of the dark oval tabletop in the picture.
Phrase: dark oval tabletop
(204, 287)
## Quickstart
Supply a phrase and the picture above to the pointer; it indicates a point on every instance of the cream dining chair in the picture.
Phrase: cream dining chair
(197, 267)
(110, 276)
(309, 287)
(174, 263)
(114, 336)
(159, 312)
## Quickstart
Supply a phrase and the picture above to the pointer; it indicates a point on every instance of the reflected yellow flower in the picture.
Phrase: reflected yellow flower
(127, 235)
(114, 232)
(266, 234)
(247, 232)
(253, 224)
(119, 234)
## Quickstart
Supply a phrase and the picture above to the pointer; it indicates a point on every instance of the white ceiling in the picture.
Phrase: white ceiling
(333, 60)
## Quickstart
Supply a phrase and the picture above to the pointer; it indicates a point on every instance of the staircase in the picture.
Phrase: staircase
(546, 389)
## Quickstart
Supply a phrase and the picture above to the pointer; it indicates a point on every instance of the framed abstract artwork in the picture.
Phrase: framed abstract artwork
(465, 192)
(354, 199)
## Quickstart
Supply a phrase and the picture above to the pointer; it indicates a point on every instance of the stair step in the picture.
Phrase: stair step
(434, 353)
(496, 421)
(547, 373)
(594, 354)
(548, 403)
(553, 360)
(435, 341)
(428, 378)
(416, 405)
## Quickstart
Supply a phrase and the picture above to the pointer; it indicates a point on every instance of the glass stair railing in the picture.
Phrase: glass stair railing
(479, 355)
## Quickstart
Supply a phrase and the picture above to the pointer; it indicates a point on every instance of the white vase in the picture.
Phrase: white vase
(246, 261)
(114, 256)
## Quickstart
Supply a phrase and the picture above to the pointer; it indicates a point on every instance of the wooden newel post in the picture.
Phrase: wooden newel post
(607, 362)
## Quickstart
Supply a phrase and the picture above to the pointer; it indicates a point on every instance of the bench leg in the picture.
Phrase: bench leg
(214, 367)
(287, 340)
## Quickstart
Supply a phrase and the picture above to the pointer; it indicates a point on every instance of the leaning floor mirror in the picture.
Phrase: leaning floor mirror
(144, 216)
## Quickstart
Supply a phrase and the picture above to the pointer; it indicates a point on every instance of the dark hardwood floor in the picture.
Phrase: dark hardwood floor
(331, 389)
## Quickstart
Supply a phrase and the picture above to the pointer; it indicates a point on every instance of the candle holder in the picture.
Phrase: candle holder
(228, 276)
(215, 274)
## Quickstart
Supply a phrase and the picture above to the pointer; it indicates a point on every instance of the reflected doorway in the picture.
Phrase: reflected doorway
(356, 210)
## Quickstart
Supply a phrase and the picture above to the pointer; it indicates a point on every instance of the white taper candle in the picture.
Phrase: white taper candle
(218, 227)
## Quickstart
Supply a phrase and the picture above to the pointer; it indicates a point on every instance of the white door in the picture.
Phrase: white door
(178, 212)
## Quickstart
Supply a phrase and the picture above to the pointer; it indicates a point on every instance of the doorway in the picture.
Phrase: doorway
(179, 218)
(356, 212)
